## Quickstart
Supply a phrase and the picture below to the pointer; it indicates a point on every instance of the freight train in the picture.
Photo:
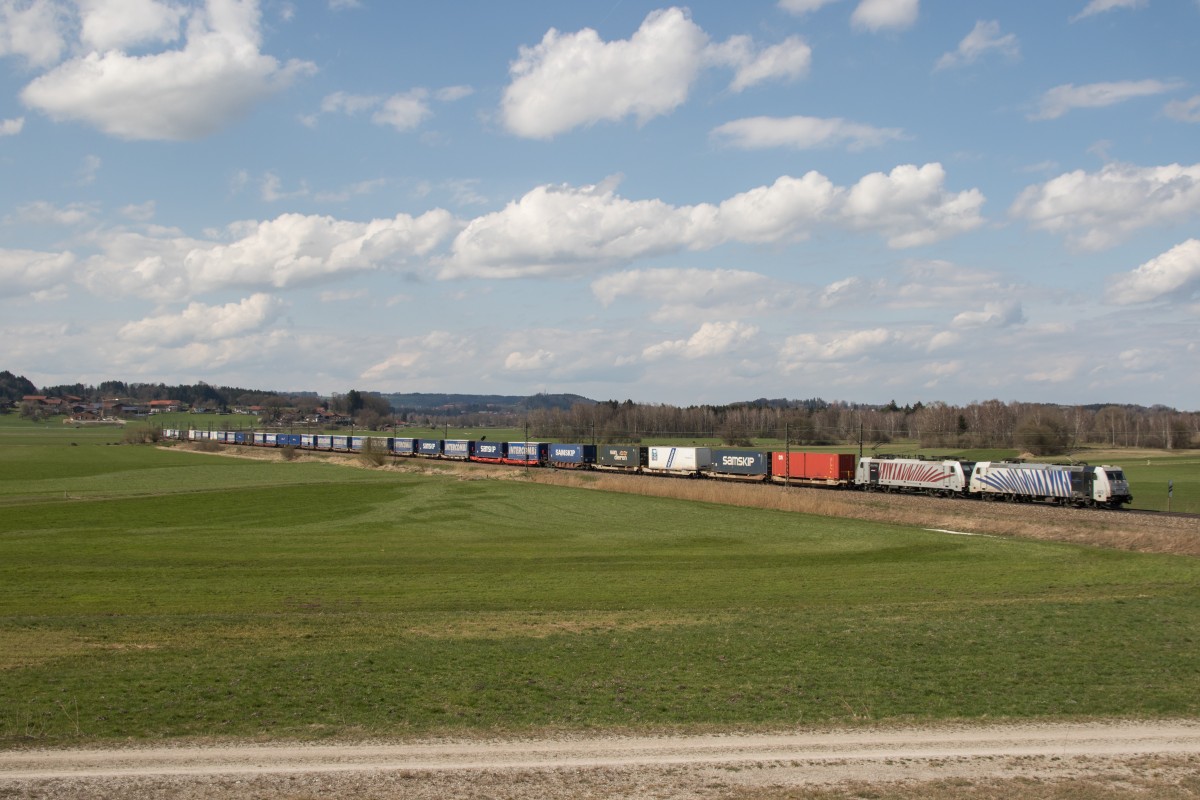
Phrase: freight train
(1080, 485)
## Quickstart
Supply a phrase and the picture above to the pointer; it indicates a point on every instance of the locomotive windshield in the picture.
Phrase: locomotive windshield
(1115, 475)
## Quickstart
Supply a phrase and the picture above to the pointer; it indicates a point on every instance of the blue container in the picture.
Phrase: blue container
(572, 456)
(739, 462)
(491, 452)
(404, 447)
(457, 448)
(308, 441)
(532, 454)
(356, 443)
(430, 448)
(324, 442)
(341, 443)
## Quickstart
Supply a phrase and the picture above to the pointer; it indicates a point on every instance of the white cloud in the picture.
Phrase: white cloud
(574, 79)
(1175, 272)
(803, 348)
(1184, 110)
(11, 127)
(712, 339)
(1004, 314)
(911, 206)
(984, 38)
(292, 249)
(141, 212)
(423, 356)
(1101, 6)
(41, 212)
(189, 93)
(118, 24)
(537, 360)
(563, 230)
(404, 111)
(32, 30)
(1058, 101)
(789, 60)
(1097, 210)
(89, 169)
(802, 133)
(25, 272)
(801, 7)
(203, 323)
(349, 104)
(877, 15)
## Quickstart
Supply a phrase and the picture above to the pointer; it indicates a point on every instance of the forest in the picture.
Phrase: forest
(1036, 428)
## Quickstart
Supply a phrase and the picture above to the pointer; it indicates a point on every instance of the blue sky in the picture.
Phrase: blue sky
(860, 200)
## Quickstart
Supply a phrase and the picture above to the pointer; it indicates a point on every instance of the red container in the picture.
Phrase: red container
(822, 467)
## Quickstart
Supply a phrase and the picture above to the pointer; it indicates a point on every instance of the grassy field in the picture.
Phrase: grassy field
(153, 593)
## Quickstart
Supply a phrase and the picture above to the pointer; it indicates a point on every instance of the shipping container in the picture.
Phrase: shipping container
(741, 464)
(458, 449)
(689, 461)
(404, 447)
(270, 439)
(823, 469)
(430, 448)
(530, 454)
(324, 441)
(489, 452)
(339, 443)
(621, 457)
(572, 456)
(308, 441)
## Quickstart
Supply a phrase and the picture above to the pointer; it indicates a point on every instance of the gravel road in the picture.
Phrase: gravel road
(1120, 754)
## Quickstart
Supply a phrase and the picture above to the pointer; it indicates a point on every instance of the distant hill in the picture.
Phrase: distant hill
(474, 403)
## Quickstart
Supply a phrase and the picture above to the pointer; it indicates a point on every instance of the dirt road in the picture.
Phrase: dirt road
(912, 761)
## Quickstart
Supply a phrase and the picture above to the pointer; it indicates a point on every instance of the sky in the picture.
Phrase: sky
(859, 200)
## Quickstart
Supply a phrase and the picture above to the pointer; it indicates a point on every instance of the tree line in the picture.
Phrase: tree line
(1036, 428)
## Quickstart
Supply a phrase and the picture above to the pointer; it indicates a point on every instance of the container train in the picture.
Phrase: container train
(1080, 485)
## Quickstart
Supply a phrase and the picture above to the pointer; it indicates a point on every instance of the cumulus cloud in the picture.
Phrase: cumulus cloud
(1061, 99)
(11, 127)
(31, 30)
(204, 323)
(911, 206)
(984, 38)
(570, 80)
(1102, 6)
(803, 348)
(1174, 273)
(292, 249)
(119, 24)
(25, 272)
(712, 339)
(564, 230)
(803, 133)
(573, 79)
(877, 15)
(1097, 210)
(188, 93)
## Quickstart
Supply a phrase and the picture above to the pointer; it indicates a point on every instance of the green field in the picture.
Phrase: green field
(152, 593)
